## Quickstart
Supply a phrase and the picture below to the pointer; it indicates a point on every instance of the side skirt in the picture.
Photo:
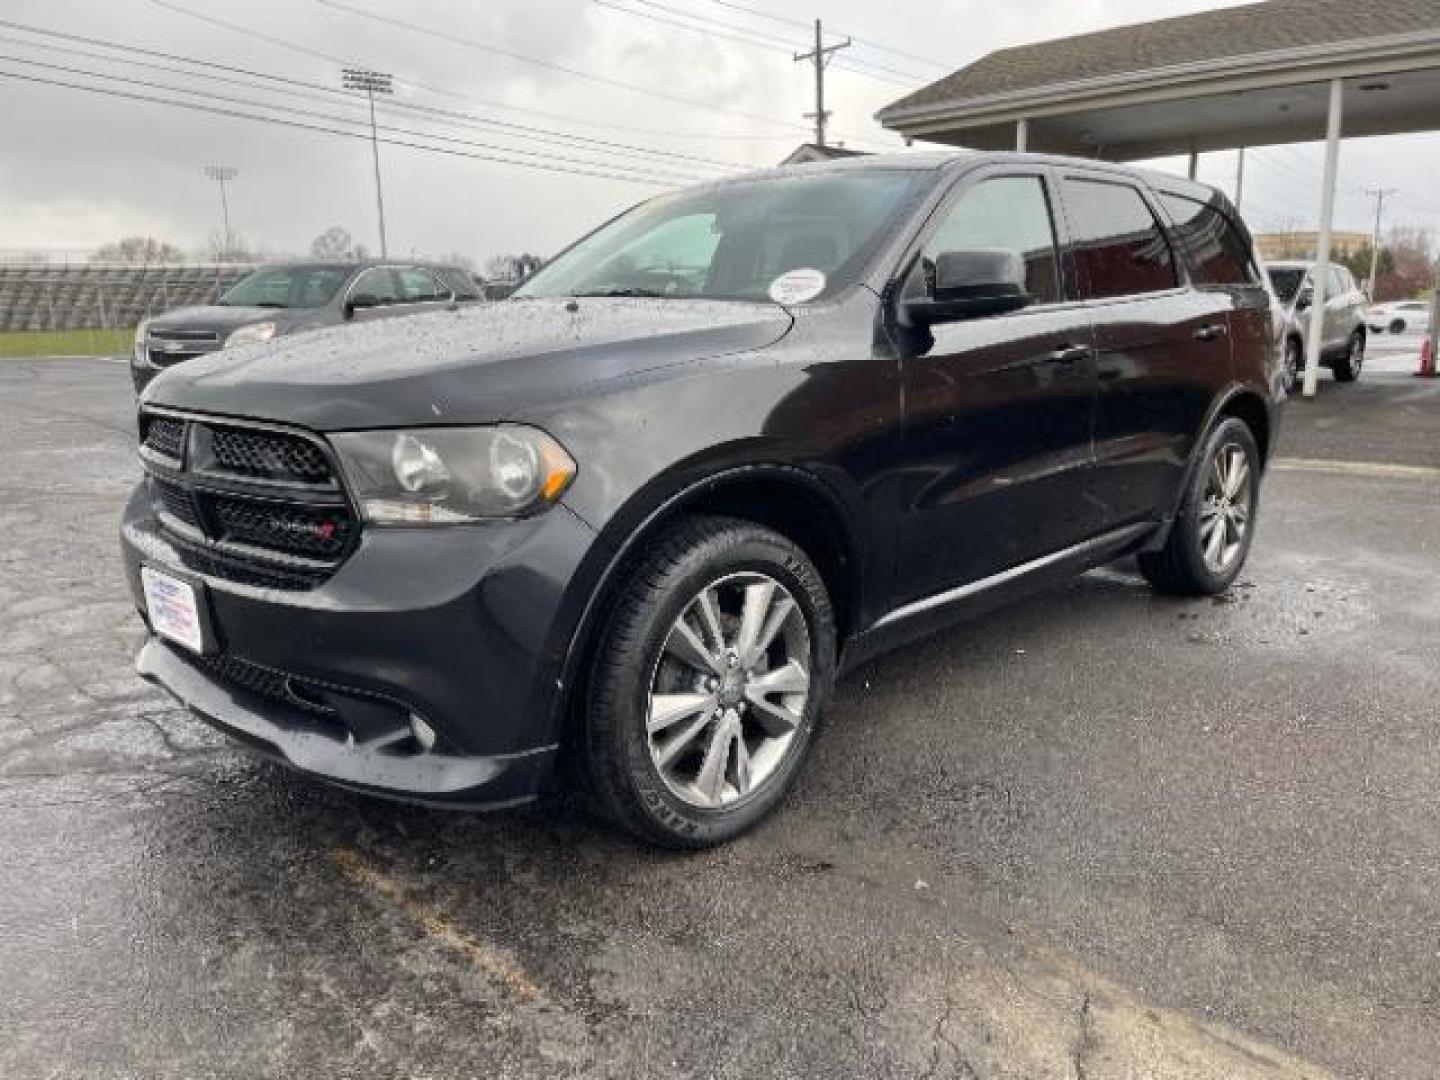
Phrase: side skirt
(925, 616)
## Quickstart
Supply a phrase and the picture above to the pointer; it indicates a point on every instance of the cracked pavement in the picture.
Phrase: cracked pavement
(1095, 835)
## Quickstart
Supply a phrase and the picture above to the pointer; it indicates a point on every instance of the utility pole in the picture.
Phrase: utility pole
(1379, 195)
(222, 174)
(821, 56)
(372, 82)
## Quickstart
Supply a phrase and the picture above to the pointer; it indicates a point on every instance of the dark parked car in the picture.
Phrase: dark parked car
(627, 526)
(286, 299)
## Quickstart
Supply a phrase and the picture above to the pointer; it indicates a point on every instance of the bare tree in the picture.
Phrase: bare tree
(138, 251)
(336, 244)
(512, 267)
(232, 249)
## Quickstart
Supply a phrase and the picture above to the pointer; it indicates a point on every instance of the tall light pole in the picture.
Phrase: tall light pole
(1379, 195)
(821, 56)
(372, 82)
(222, 174)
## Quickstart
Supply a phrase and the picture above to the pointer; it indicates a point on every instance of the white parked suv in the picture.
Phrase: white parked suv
(1346, 325)
(1400, 317)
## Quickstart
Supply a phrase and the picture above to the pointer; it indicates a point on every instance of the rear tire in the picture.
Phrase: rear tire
(1347, 368)
(708, 683)
(1210, 539)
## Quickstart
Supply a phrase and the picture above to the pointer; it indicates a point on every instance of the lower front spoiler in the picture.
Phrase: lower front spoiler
(435, 778)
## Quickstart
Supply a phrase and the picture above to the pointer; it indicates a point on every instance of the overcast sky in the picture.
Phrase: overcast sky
(78, 169)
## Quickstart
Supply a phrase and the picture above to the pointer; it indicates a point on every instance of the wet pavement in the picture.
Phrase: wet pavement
(1099, 834)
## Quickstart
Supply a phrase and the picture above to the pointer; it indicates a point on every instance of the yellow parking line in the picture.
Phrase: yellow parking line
(504, 971)
(1374, 469)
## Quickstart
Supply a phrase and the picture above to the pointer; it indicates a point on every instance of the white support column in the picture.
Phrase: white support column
(1194, 163)
(1022, 135)
(1240, 178)
(1315, 338)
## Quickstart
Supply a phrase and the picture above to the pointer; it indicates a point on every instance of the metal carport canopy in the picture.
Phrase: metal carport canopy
(1277, 72)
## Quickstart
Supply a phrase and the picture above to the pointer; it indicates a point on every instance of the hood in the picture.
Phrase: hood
(475, 364)
(223, 319)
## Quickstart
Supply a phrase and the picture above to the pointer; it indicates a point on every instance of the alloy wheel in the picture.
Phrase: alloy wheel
(1357, 353)
(1227, 508)
(728, 691)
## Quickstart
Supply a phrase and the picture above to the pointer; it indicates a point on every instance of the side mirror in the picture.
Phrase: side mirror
(498, 290)
(360, 300)
(972, 285)
(1305, 298)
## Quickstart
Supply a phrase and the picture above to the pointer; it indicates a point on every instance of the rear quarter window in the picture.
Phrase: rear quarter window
(1213, 244)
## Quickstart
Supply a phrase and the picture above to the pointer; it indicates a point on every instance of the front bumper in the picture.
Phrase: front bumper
(466, 627)
(388, 767)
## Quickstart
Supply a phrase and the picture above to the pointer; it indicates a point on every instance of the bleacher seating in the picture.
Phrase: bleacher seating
(88, 296)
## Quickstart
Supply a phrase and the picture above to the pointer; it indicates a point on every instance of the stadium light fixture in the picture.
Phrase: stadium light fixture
(372, 83)
(223, 174)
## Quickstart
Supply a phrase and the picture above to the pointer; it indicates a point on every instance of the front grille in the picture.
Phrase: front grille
(203, 336)
(316, 533)
(268, 455)
(177, 501)
(166, 437)
(247, 503)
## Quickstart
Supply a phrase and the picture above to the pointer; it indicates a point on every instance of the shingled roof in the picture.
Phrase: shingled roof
(1250, 30)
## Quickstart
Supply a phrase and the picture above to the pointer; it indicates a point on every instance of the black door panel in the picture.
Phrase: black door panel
(1161, 361)
(997, 447)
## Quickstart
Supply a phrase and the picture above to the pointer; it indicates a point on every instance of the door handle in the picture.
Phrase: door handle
(1210, 333)
(1070, 354)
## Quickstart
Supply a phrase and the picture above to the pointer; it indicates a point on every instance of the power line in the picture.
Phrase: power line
(296, 86)
(858, 38)
(496, 50)
(652, 180)
(647, 169)
(729, 31)
(440, 91)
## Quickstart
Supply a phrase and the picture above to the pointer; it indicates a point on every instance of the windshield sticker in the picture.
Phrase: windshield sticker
(797, 286)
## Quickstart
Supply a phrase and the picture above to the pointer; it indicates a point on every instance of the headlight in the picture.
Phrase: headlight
(251, 335)
(446, 475)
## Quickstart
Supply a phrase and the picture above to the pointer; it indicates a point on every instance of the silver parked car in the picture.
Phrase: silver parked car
(1343, 348)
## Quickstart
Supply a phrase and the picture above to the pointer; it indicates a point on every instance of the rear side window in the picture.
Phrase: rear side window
(377, 282)
(1119, 246)
(1008, 213)
(1216, 248)
(418, 286)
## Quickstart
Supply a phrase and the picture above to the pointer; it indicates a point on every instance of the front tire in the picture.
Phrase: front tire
(1347, 368)
(1293, 363)
(708, 683)
(1210, 539)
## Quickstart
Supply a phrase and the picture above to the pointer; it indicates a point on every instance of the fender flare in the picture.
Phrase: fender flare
(600, 585)
(1213, 414)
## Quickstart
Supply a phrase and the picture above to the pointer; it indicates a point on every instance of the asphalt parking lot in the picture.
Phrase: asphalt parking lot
(1099, 834)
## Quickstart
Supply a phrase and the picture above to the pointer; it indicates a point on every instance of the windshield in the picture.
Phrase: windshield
(1286, 280)
(286, 287)
(733, 241)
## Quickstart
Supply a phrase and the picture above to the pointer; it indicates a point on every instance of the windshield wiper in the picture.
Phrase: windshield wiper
(270, 304)
(629, 292)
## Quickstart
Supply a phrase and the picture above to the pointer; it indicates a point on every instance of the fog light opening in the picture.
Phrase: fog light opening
(423, 732)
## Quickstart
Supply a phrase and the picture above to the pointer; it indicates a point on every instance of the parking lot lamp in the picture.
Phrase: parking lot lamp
(372, 82)
(223, 174)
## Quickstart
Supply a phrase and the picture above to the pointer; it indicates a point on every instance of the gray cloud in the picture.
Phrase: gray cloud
(77, 170)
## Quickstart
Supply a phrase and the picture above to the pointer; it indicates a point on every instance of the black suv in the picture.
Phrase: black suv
(626, 527)
(289, 298)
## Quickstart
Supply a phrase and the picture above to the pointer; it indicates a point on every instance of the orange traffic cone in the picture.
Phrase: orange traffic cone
(1427, 359)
